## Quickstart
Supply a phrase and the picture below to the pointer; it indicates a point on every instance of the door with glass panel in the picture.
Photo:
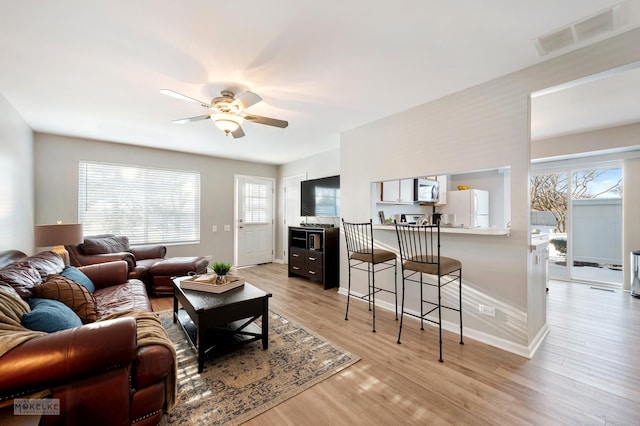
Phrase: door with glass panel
(253, 221)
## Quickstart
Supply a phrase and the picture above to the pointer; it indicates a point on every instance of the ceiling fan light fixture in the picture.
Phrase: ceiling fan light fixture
(227, 122)
(227, 112)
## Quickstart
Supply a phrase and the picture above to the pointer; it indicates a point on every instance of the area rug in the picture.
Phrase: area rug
(246, 382)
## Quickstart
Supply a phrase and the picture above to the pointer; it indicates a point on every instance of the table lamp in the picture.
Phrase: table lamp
(57, 236)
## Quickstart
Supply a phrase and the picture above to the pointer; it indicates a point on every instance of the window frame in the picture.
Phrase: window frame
(107, 191)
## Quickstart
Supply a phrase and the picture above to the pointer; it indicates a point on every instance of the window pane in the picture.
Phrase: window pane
(589, 184)
(549, 210)
(256, 203)
(147, 205)
(327, 202)
(587, 244)
(597, 225)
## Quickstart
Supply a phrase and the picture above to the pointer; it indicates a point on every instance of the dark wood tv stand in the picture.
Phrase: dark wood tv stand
(313, 254)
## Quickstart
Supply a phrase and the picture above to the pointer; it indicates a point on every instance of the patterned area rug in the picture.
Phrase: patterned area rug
(240, 385)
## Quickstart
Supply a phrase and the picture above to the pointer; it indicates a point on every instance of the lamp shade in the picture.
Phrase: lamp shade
(58, 234)
(227, 122)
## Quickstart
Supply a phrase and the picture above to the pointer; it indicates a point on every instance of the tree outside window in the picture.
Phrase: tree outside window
(549, 192)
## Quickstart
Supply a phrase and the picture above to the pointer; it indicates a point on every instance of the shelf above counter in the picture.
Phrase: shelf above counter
(448, 230)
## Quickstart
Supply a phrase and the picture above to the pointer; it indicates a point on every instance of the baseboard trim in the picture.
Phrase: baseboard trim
(480, 336)
(537, 341)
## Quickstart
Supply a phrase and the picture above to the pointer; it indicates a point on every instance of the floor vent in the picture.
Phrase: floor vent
(590, 27)
(602, 289)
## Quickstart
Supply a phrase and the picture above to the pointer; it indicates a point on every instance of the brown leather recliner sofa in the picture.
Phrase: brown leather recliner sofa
(147, 263)
(109, 247)
(101, 372)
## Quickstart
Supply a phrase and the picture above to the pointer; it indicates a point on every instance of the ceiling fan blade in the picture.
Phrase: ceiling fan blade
(191, 119)
(246, 99)
(266, 120)
(177, 95)
(238, 133)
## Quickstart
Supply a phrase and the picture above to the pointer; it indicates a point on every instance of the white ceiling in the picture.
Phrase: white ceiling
(598, 102)
(94, 68)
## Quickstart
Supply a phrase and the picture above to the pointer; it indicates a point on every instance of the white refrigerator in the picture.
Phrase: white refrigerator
(470, 207)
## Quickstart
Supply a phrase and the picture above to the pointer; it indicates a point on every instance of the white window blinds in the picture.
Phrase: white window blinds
(147, 205)
(256, 203)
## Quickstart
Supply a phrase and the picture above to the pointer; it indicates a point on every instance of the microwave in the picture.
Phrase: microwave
(427, 190)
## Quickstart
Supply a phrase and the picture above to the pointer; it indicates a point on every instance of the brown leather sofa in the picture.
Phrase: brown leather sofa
(109, 247)
(98, 371)
(146, 263)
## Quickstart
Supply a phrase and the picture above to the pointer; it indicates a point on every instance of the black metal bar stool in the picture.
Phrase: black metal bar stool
(360, 252)
(420, 254)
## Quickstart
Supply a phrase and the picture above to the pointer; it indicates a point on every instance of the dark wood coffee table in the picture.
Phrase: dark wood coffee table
(214, 323)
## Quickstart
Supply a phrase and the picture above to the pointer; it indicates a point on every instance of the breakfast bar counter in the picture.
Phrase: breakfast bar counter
(456, 230)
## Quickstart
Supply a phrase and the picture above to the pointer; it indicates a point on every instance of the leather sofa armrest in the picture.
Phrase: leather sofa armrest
(78, 259)
(153, 364)
(149, 252)
(68, 355)
(107, 274)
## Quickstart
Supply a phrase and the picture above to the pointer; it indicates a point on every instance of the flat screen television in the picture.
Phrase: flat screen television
(320, 197)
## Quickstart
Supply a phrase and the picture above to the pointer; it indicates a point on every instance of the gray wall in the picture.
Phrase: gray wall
(16, 175)
(56, 184)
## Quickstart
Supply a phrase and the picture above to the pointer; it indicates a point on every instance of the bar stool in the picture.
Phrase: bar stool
(419, 255)
(360, 252)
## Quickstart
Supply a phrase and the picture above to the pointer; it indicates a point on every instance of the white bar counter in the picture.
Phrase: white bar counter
(451, 230)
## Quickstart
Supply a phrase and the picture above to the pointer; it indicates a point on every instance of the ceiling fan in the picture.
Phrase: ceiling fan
(227, 111)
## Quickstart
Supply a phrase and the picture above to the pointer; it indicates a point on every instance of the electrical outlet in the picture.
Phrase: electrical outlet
(214, 228)
(487, 310)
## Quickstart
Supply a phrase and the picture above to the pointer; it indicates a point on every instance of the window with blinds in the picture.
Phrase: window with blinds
(256, 203)
(148, 205)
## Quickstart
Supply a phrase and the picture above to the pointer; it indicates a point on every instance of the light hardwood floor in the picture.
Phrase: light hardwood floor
(587, 372)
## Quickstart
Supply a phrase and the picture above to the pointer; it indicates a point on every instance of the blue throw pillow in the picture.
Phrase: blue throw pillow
(75, 274)
(50, 316)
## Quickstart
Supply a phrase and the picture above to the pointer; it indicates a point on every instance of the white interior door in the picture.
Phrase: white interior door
(253, 220)
(291, 209)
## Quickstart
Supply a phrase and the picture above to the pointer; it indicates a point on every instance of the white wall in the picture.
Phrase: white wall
(630, 215)
(317, 166)
(611, 138)
(56, 184)
(16, 175)
(484, 127)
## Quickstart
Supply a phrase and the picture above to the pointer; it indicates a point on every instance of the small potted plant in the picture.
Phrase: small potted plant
(221, 269)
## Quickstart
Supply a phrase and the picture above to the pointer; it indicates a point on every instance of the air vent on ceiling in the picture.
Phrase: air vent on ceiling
(588, 28)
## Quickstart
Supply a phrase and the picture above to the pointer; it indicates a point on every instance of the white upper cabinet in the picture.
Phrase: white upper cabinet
(398, 191)
(390, 191)
(407, 192)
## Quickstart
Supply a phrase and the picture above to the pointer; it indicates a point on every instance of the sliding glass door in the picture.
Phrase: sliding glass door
(580, 209)
(549, 216)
